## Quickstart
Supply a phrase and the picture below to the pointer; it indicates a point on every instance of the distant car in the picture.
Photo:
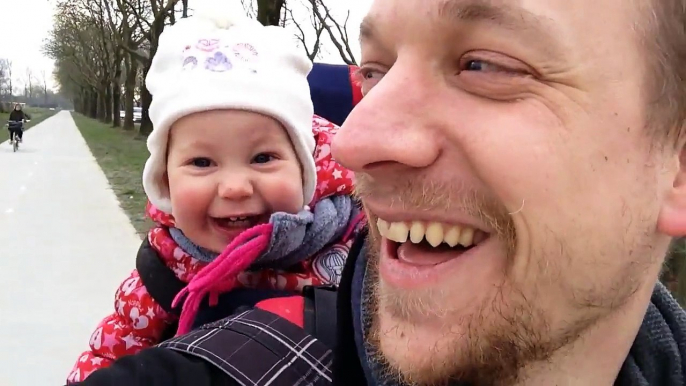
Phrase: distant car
(137, 114)
(52, 109)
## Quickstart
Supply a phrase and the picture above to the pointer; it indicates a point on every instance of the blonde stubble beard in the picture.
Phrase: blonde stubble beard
(489, 347)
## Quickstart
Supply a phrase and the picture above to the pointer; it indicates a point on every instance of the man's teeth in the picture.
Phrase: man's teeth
(435, 233)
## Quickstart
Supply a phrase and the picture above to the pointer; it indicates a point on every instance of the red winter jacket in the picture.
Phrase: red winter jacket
(138, 321)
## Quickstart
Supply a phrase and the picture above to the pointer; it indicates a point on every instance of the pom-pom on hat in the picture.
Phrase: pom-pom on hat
(221, 59)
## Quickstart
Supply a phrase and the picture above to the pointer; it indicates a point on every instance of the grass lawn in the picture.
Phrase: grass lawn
(121, 155)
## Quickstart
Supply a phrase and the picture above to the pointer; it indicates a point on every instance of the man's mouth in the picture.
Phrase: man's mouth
(428, 244)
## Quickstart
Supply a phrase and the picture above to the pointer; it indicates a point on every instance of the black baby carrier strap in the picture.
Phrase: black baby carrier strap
(254, 347)
(258, 348)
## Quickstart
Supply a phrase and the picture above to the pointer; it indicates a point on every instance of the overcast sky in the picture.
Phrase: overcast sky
(25, 25)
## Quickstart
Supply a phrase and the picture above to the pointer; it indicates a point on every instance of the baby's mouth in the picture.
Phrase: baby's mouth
(239, 222)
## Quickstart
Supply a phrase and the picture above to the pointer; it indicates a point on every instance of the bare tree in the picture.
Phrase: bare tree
(80, 56)
(150, 16)
(28, 83)
(321, 18)
(128, 39)
(44, 81)
(9, 76)
(290, 19)
(4, 80)
(103, 49)
(337, 31)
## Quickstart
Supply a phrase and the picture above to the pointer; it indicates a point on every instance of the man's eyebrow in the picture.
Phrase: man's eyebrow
(366, 29)
(538, 30)
(504, 15)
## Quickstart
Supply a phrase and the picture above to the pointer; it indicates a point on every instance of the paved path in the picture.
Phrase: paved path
(65, 246)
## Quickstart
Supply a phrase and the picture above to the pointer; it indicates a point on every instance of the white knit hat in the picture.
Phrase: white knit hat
(221, 59)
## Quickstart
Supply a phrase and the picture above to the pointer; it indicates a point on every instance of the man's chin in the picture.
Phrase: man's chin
(418, 339)
(413, 353)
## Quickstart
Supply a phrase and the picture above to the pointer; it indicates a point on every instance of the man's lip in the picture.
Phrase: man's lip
(400, 274)
(392, 215)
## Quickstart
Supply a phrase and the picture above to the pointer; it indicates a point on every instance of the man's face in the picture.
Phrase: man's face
(512, 191)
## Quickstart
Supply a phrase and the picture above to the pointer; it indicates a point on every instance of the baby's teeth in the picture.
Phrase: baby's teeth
(452, 236)
(417, 232)
(382, 225)
(398, 232)
(467, 237)
(434, 234)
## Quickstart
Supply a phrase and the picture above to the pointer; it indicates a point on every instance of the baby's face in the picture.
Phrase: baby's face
(229, 171)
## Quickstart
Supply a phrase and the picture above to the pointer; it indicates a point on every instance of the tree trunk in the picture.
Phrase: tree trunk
(108, 104)
(84, 102)
(129, 91)
(101, 105)
(78, 102)
(269, 11)
(146, 99)
(116, 103)
(93, 104)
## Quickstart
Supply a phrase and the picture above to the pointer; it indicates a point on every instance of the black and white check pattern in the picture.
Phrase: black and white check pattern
(258, 348)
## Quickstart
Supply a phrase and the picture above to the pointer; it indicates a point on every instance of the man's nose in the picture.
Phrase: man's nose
(390, 126)
(235, 186)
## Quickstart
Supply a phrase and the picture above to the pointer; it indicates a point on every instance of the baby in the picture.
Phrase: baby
(247, 200)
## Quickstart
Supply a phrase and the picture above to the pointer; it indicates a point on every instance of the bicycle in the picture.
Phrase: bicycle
(15, 126)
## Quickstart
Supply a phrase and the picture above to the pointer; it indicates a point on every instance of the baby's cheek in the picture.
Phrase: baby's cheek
(286, 195)
(185, 197)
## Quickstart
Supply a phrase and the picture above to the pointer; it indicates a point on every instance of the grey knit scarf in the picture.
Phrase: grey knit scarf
(295, 237)
(657, 357)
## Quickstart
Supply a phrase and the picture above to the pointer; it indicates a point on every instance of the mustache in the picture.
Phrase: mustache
(417, 193)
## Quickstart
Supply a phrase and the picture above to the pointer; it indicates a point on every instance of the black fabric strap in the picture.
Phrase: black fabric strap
(159, 280)
(320, 313)
(258, 348)
(347, 368)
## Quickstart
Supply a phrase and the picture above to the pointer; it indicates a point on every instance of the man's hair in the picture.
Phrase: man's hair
(663, 30)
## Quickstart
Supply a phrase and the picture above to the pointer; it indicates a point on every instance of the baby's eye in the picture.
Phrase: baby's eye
(201, 162)
(262, 158)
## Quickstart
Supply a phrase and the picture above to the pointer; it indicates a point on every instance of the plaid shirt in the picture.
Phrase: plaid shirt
(258, 348)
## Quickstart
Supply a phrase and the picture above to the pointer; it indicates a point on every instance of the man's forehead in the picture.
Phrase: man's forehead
(558, 29)
(508, 14)
(504, 14)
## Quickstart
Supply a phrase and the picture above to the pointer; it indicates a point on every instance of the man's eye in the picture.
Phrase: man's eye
(367, 78)
(512, 68)
(201, 162)
(262, 158)
(482, 66)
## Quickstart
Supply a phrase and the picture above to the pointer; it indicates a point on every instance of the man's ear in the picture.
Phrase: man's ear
(672, 218)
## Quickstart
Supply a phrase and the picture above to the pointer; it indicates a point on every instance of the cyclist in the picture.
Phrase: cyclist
(17, 115)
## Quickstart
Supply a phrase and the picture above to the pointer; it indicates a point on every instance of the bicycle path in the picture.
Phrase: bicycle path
(65, 246)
